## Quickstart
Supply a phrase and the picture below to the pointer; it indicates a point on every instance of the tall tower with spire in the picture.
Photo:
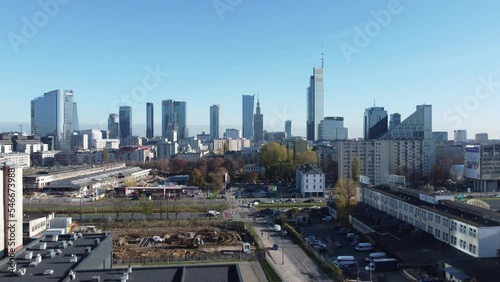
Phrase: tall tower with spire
(258, 125)
(315, 102)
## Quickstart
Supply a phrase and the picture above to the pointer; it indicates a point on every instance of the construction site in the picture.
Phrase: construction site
(206, 241)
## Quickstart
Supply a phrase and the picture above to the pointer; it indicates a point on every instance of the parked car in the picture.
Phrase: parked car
(309, 201)
(327, 218)
(343, 230)
(350, 236)
(276, 247)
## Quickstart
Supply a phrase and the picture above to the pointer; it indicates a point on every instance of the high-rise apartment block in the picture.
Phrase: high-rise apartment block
(232, 133)
(55, 114)
(247, 116)
(460, 136)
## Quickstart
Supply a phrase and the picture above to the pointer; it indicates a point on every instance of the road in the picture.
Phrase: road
(290, 260)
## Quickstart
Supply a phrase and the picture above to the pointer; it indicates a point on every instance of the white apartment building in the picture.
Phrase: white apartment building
(189, 157)
(31, 148)
(381, 158)
(472, 230)
(310, 181)
(19, 159)
(5, 148)
(232, 145)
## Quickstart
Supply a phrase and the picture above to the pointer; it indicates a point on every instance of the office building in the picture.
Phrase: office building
(374, 123)
(11, 209)
(174, 116)
(481, 137)
(288, 128)
(220, 146)
(315, 104)
(482, 167)
(394, 119)
(460, 136)
(232, 133)
(114, 126)
(332, 128)
(274, 136)
(440, 136)
(166, 150)
(310, 181)
(150, 125)
(417, 126)
(247, 117)
(55, 114)
(258, 126)
(214, 121)
(125, 116)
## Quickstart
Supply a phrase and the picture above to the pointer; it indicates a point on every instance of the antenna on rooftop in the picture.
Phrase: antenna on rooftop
(322, 56)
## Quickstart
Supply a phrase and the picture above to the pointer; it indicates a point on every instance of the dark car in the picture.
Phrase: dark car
(309, 201)
(276, 247)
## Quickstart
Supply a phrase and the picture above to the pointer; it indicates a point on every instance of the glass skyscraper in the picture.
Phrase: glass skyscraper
(149, 120)
(247, 118)
(315, 104)
(214, 121)
(174, 117)
(288, 128)
(55, 114)
(125, 116)
(113, 126)
(417, 126)
(374, 123)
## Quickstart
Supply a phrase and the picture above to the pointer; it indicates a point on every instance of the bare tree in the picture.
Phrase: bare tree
(160, 206)
(119, 206)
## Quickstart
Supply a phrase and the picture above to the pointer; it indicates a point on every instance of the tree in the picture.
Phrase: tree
(437, 175)
(331, 169)
(160, 206)
(251, 176)
(355, 169)
(345, 195)
(272, 154)
(130, 182)
(197, 178)
(428, 188)
(306, 157)
(119, 206)
(146, 207)
(105, 155)
(177, 165)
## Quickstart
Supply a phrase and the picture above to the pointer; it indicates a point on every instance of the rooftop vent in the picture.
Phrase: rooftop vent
(72, 274)
(28, 255)
(21, 272)
(97, 241)
(73, 258)
(95, 279)
(87, 250)
(43, 246)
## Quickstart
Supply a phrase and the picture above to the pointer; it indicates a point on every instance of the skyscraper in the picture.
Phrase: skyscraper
(125, 116)
(214, 121)
(394, 119)
(247, 118)
(258, 125)
(332, 128)
(288, 128)
(55, 114)
(174, 116)
(150, 120)
(374, 123)
(418, 125)
(114, 126)
(315, 104)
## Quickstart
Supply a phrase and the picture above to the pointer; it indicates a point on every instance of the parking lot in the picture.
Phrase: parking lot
(326, 232)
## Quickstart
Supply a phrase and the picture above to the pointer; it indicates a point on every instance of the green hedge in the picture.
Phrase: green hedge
(271, 275)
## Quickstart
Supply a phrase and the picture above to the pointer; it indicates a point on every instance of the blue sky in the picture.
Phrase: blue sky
(432, 52)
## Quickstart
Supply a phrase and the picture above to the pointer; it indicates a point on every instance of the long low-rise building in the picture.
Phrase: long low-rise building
(472, 230)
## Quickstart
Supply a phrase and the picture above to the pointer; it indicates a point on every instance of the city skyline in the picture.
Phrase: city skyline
(450, 64)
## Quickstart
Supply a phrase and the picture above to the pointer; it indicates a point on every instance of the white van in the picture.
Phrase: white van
(344, 260)
(364, 247)
(375, 255)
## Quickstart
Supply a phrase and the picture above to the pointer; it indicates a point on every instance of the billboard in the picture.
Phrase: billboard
(473, 161)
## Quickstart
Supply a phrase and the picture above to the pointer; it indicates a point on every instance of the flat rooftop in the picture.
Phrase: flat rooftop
(191, 273)
(60, 264)
(463, 212)
(485, 269)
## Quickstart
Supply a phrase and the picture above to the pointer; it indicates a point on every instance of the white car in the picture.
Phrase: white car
(327, 218)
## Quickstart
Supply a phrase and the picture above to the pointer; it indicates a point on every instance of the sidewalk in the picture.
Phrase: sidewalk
(290, 260)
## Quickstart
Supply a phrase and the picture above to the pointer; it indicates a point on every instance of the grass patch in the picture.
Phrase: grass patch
(271, 275)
